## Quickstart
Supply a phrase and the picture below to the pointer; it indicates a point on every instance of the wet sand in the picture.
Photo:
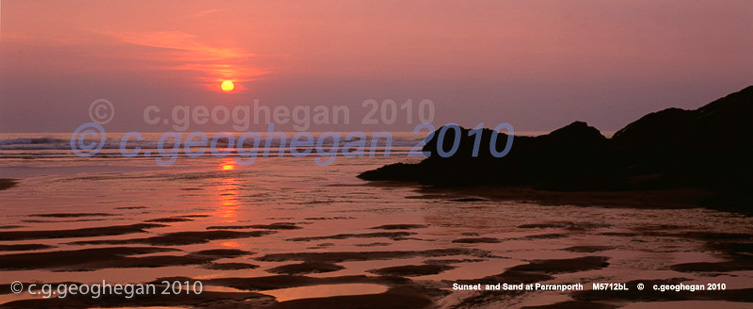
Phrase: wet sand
(401, 290)
(362, 246)
(650, 199)
(75, 233)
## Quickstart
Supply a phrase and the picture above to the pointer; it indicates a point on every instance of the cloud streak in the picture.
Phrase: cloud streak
(179, 51)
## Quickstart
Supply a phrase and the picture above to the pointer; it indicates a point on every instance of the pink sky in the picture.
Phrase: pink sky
(536, 64)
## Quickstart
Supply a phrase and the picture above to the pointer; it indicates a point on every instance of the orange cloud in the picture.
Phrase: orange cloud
(180, 51)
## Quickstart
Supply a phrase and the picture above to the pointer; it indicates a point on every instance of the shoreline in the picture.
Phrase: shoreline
(642, 199)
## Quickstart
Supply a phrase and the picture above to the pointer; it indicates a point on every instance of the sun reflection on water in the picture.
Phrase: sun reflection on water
(228, 193)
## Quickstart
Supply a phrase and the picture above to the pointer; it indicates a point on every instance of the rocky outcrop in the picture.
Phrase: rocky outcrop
(709, 148)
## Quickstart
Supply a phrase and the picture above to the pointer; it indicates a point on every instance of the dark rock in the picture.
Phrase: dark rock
(707, 149)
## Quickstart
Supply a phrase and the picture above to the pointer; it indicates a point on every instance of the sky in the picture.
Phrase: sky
(537, 65)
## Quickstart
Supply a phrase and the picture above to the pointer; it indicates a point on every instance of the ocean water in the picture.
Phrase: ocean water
(332, 211)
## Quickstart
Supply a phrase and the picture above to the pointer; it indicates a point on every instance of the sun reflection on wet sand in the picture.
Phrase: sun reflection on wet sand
(231, 244)
(227, 194)
(228, 166)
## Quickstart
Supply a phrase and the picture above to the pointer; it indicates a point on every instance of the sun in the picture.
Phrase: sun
(227, 86)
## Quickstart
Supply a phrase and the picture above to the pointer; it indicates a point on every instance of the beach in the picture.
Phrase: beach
(286, 233)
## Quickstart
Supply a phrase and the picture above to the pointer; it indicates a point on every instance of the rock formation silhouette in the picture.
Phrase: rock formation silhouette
(707, 149)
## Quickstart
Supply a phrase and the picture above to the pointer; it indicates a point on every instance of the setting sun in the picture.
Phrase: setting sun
(227, 86)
